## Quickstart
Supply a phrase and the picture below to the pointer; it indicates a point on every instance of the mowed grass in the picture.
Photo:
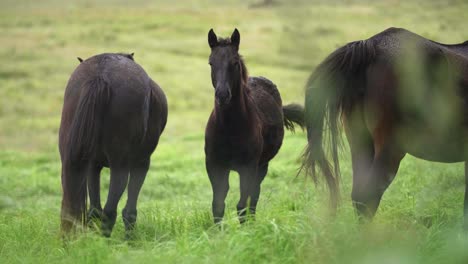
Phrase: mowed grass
(420, 217)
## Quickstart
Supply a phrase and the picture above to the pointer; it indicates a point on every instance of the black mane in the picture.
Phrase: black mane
(244, 71)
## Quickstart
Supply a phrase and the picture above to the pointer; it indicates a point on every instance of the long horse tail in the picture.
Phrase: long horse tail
(83, 139)
(293, 113)
(331, 90)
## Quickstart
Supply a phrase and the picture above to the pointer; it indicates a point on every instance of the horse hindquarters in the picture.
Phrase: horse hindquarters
(370, 129)
(155, 116)
(129, 148)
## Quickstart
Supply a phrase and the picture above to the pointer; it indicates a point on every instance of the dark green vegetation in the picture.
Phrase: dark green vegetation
(419, 220)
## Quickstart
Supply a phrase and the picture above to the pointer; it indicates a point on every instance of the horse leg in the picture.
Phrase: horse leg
(361, 158)
(95, 208)
(219, 178)
(466, 196)
(374, 161)
(137, 177)
(118, 182)
(362, 155)
(380, 175)
(374, 122)
(249, 185)
(256, 188)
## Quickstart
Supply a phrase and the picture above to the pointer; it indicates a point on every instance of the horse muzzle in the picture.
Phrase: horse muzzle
(223, 97)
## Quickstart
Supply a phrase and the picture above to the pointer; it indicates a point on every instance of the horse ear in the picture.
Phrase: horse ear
(80, 59)
(128, 55)
(235, 38)
(212, 39)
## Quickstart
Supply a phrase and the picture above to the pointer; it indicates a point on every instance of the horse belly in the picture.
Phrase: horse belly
(235, 151)
(430, 122)
(242, 155)
(449, 145)
(272, 141)
(437, 131)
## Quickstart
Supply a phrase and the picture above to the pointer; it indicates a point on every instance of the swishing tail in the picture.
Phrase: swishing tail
(83, 139)
(331, 90)
(293, 113)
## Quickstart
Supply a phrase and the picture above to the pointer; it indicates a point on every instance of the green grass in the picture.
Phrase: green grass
(420, 217)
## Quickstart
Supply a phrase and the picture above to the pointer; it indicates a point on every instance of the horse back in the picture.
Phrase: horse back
(262, 84)
(393, 43)
(267, 100)
(416, 89)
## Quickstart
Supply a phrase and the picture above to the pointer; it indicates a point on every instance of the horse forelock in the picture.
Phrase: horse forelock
(224, 41)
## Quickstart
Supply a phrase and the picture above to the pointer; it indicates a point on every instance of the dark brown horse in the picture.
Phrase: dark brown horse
(245, 129)
(396, 93)
(113, 115)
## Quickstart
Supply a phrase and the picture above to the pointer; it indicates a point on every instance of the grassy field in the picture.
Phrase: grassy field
(420, 217)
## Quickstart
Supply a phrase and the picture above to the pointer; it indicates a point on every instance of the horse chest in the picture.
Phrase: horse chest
(237, 150)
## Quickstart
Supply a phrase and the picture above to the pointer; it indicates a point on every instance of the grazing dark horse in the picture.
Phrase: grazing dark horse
(245, 129)
(396, 93)
(113, 115)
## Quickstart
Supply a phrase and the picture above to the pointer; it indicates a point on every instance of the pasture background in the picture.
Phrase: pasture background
(419, 220)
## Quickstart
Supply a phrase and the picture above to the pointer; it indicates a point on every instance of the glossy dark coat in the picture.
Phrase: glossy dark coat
(397, 93)
(113, 115)
(245, 129)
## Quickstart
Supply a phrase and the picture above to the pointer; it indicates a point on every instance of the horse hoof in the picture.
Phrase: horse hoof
(94, 217)
(106, 233)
